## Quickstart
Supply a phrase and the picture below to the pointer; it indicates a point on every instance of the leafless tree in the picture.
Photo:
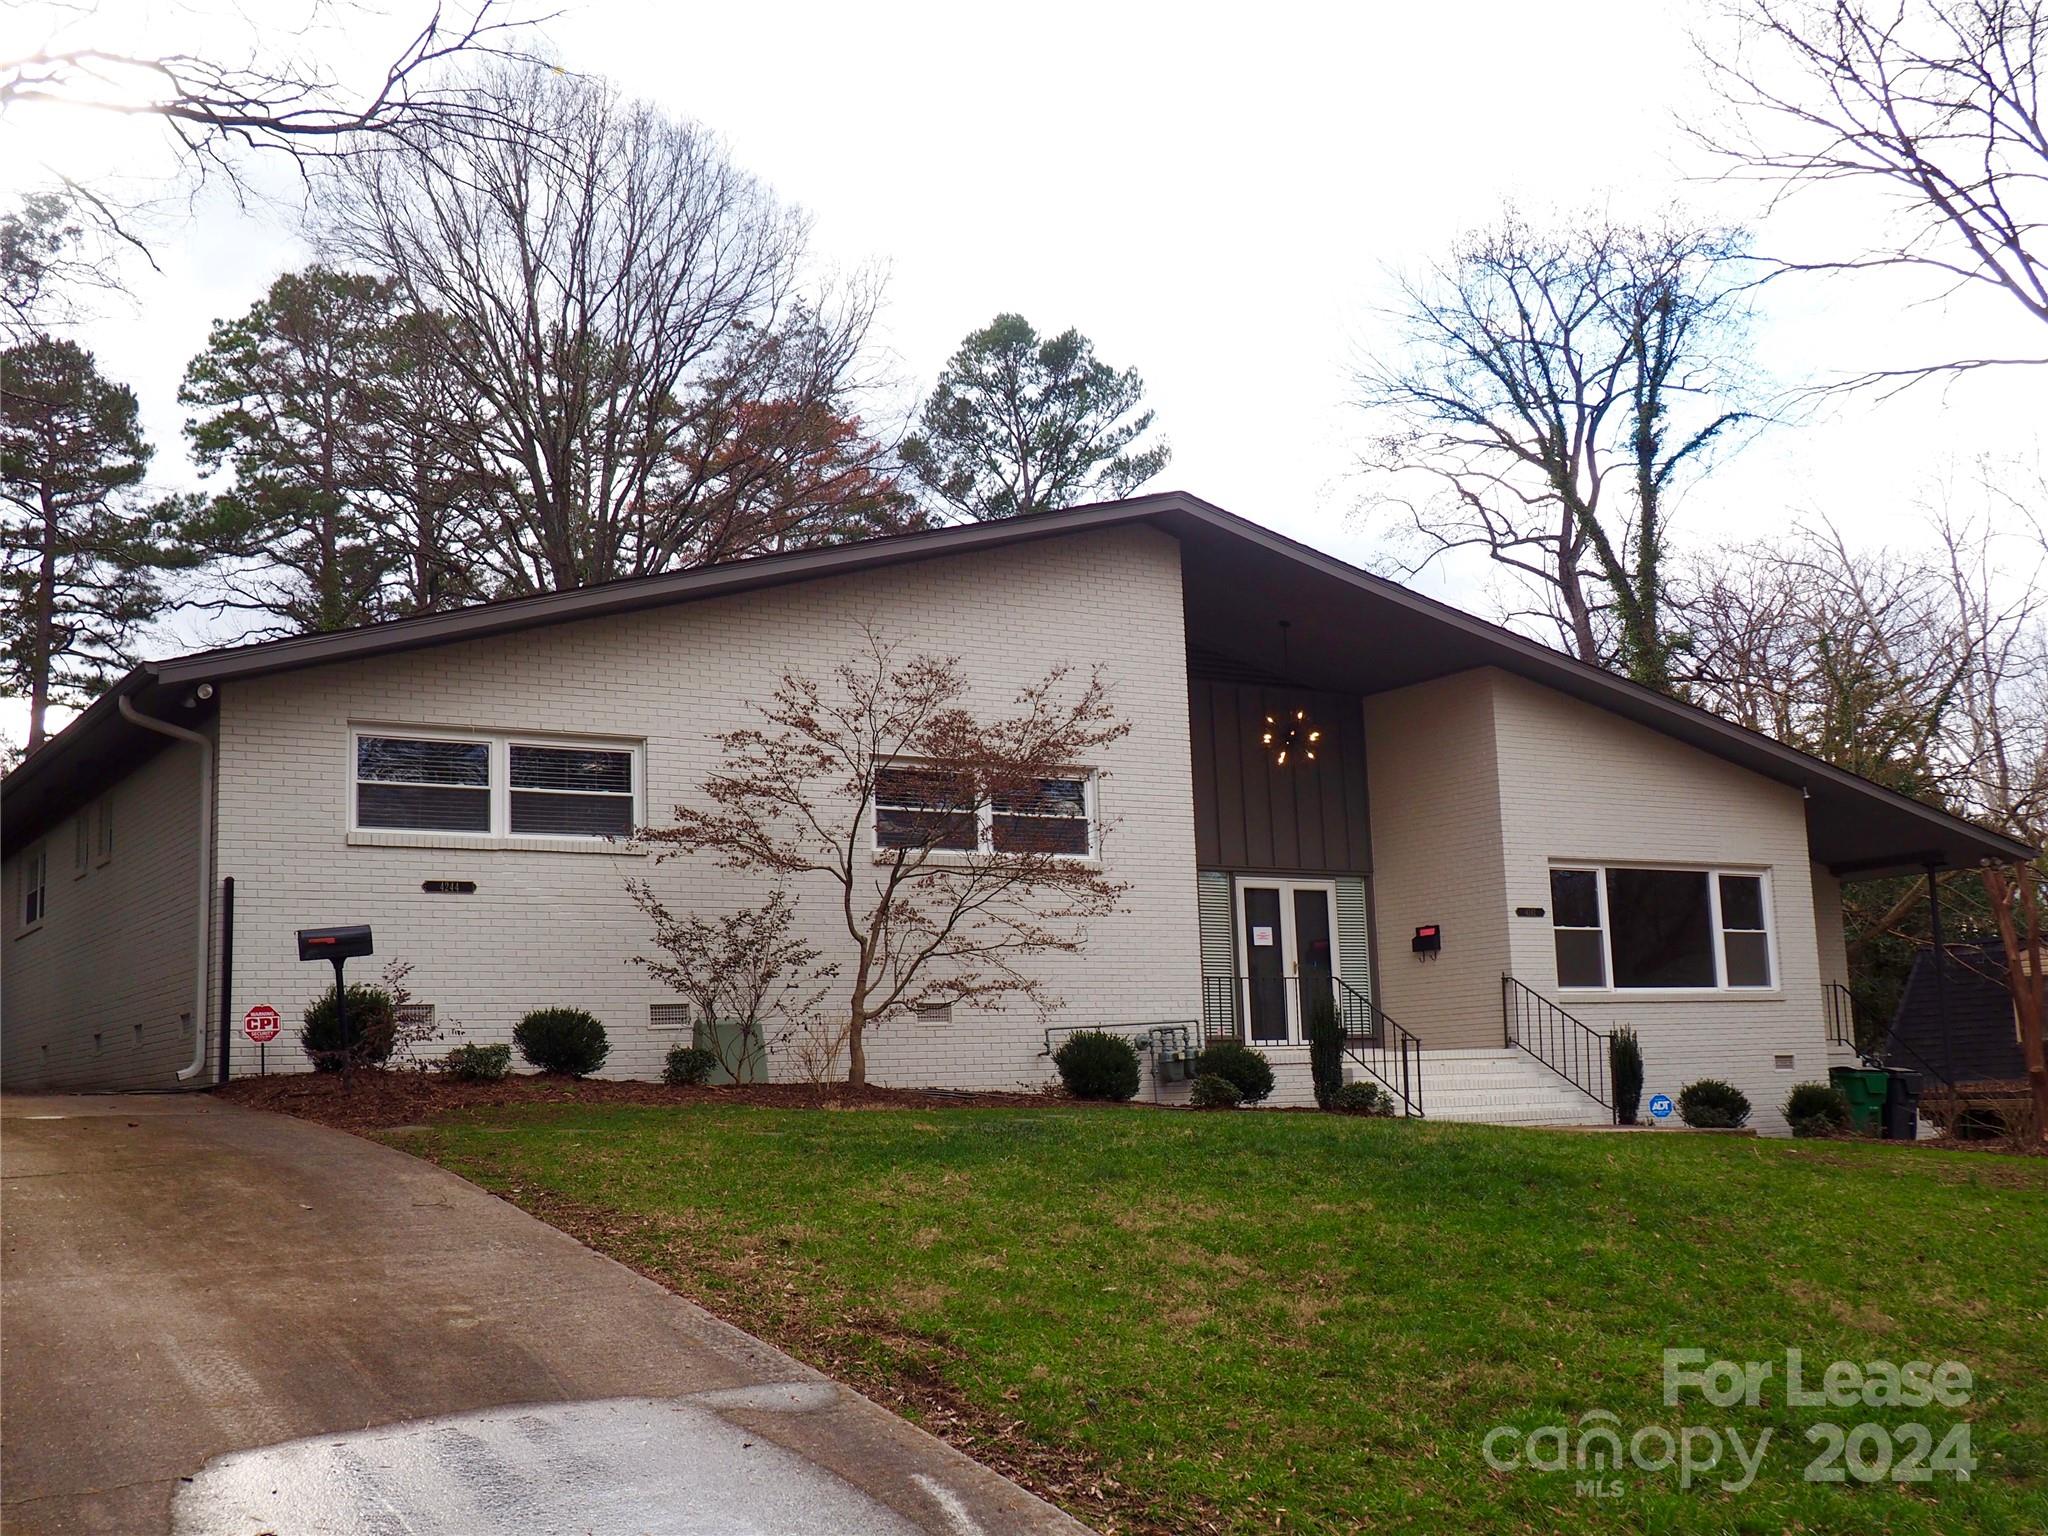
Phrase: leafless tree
(612, 290)
(274, 92)
(748, 970)
(934, 911)
(1938, 102)
(1539, 366)
(1856, 656)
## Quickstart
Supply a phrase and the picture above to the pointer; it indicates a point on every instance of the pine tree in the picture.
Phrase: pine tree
(80, 549)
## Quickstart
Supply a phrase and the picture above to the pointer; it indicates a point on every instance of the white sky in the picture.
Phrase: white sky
(1214, 194)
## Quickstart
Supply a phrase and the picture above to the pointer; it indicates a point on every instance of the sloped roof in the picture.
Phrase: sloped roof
(1351, 630)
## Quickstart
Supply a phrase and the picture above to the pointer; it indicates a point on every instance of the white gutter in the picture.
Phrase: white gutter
(135, 716)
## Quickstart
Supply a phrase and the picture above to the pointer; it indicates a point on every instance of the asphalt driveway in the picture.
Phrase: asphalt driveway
(228, 1323)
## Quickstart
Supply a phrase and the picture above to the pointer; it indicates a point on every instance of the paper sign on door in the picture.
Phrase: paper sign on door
(1262, 938)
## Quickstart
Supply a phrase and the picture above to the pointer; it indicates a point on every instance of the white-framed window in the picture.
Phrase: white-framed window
(409, 780)
(35, 886)
(918, 805)
(1642, 928)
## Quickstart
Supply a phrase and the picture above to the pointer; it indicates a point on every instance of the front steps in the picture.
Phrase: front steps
(1502, 1086)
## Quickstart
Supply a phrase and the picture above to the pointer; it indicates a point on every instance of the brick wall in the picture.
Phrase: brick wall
(1580, 783)
(1436, 839)
(555, 927)
(100, 995)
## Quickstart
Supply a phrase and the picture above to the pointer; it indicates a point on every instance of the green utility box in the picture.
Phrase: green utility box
(1865, 1088)
(726, 1041)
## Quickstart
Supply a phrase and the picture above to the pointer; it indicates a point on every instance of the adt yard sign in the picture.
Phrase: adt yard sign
(260, 1023)
(1660, 1106)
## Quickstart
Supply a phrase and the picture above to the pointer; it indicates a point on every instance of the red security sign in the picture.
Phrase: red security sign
(260, 1023)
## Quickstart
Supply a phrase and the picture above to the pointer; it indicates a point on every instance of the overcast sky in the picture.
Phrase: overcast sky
(1216, 195)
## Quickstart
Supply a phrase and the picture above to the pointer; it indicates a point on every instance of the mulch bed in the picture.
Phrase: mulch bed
(378, 1099)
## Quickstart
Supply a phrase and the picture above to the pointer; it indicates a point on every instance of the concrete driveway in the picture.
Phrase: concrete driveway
(227, 1323)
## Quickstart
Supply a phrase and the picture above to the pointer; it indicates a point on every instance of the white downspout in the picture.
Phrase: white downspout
(164, 728)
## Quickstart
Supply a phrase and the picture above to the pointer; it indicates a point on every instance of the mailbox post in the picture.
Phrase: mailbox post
(337, 945)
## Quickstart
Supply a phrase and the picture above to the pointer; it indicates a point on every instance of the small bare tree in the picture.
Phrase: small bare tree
(1937, 101)
(748, 971)
(1540, 366)
(968, 875)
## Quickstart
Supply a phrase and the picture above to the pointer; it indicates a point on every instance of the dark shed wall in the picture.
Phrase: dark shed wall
(1250, 814)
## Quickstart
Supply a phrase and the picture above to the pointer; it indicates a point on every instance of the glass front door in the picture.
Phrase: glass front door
(1288, 942)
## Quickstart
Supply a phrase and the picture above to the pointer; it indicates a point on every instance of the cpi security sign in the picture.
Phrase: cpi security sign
(260, 1023)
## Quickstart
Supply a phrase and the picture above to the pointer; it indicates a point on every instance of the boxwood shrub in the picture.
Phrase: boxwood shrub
(1246, 1068)
(478, 1063)
(1213, 1092)
(1713, 1105)
(372, 1028)
(688, 1066)
(562, 1040)
(1362, 1098)
(1095, 1064)
(1817, 1109)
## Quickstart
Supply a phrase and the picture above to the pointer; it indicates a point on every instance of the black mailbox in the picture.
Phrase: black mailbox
(334, 943)
(1429, 939)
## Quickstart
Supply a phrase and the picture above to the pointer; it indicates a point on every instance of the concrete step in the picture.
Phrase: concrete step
(1502, 1086)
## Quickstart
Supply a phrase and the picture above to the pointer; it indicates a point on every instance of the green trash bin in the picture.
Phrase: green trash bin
(1865, 1088)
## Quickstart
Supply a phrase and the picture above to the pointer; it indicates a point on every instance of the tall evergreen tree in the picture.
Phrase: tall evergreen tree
(79, 547)
(326, 402)
(1018, 424)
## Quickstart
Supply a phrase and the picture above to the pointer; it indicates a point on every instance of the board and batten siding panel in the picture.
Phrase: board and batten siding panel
(1251, 813)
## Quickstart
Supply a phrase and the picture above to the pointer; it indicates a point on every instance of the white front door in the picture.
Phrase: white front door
(1287, 948)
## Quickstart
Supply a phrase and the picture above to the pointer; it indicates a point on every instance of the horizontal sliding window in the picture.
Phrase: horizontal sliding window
(571, 791)
(1636, 929)
(920, 807)
(1051, 817)
(924, 808)
(415, 784)
(493, 785)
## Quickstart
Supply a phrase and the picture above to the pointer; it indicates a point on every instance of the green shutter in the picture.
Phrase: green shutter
(1354, 947)
(1219, 952)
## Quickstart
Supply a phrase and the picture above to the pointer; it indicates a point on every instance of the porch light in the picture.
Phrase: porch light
(1293, 736)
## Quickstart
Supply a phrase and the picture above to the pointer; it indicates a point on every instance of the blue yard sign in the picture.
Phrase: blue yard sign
(1660, 1106)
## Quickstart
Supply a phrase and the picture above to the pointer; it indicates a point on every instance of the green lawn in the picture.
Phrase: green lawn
(1299, 1322)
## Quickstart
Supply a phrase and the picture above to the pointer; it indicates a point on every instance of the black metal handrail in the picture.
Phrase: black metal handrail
(1840, 1003)
(1570, 1047)
(1371, 1039)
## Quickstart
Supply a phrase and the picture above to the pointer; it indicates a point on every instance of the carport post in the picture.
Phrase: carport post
(1948, 1064)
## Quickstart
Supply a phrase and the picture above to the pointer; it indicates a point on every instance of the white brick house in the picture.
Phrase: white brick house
(1589, 853)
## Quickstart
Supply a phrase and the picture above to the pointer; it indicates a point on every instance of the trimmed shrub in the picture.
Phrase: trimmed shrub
(1625, 1069)
(478, 1063)
(688, 1066)
(1325, 1049)
(1213, 1092)
(1817, 1109)
(1095, 1064)
(1362, 1098)
(372, 1028)
(562, 1040)
(1712, 1105)
(1246, 1068)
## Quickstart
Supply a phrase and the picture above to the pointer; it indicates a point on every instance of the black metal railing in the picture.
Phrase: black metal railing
(1570, 1047)
(1840, 1004)
(1275, 1010)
